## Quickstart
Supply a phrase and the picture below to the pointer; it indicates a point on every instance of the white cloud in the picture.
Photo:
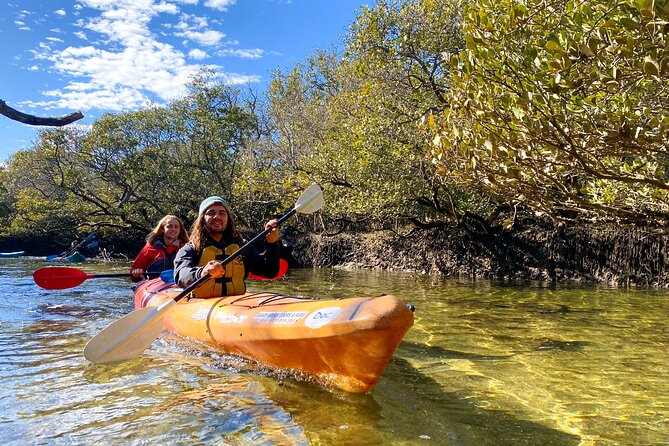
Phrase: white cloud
(115, 99)
(208, 37)
(195, 28)
(221, 5)
(253, 53)
(133, 70)
(21, 24)
(59, 12)
(54, 39)
(197, 54)
(240, 79)
(123, 65)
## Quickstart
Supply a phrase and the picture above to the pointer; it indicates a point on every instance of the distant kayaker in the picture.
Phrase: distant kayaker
(214, 236)
(161, 247)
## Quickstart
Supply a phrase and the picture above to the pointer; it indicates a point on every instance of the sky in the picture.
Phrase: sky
(111, 56)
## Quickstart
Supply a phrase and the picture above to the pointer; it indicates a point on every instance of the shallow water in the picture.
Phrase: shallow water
(484, 364)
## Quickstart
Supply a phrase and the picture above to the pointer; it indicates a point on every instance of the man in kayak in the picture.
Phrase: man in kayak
(161, 247)
(214, 236)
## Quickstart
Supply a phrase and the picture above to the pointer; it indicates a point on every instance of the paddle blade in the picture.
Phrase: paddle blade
(310, 201)
(126, 338)
(59, 277)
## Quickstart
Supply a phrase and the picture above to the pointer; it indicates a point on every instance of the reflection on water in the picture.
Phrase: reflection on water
(485, 364)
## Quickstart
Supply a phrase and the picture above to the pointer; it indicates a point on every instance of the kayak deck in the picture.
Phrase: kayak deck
(346, 343)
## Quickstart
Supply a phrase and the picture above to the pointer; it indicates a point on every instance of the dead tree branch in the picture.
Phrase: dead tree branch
(58, 121)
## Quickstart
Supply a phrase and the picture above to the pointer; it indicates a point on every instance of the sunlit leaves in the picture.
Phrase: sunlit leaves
(563, 106)
(352, 122)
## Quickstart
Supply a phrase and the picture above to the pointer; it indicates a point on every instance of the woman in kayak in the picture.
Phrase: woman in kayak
(161, 247)
(214, 236)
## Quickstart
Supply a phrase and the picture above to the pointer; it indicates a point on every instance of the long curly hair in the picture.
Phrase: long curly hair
(198, 232)
(158, 232)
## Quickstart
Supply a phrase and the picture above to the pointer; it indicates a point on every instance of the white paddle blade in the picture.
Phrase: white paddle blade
(310, 201)
(126, 338)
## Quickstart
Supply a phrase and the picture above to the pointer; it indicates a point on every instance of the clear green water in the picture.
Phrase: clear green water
(484, 364)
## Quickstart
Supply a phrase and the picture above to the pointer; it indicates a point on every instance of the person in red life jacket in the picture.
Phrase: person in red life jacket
(161, 247)
(214, 237)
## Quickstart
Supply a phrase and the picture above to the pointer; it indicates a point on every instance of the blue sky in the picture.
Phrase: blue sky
(101, 56)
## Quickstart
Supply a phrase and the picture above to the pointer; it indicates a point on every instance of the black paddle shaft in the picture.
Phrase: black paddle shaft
(149, 275)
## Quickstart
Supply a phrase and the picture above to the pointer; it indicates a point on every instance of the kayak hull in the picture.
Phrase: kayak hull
(345, 343)
(11, 255)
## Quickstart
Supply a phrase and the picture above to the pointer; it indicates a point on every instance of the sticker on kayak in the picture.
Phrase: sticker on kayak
(321, 317)
(227, 318)
(201, 314)
(279, 317)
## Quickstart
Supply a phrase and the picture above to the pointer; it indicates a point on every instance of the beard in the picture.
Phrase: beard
(220, 229)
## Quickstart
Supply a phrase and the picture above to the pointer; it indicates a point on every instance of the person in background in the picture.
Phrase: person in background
(214, 236)
(161, 247)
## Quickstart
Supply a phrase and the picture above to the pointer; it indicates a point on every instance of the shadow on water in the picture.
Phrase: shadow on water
(548, 309)
(424, 410)
(435, 352)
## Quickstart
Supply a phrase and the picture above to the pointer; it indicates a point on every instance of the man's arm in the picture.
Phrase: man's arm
(186, 270)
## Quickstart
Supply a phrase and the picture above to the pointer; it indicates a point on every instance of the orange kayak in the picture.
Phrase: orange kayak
(345, 343)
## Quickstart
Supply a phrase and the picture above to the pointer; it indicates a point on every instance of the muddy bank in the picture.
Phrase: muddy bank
(607, 255)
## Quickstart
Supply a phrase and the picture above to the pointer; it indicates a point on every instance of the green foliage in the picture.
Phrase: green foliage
(6, 201)
(351, 122)
(38, 181)
(130, 169)
(562, 105)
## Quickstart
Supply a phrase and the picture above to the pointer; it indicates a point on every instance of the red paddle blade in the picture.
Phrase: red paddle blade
(59, 277)
(283, 267)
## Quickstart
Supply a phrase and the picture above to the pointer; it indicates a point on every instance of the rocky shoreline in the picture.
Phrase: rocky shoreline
(608, 255)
